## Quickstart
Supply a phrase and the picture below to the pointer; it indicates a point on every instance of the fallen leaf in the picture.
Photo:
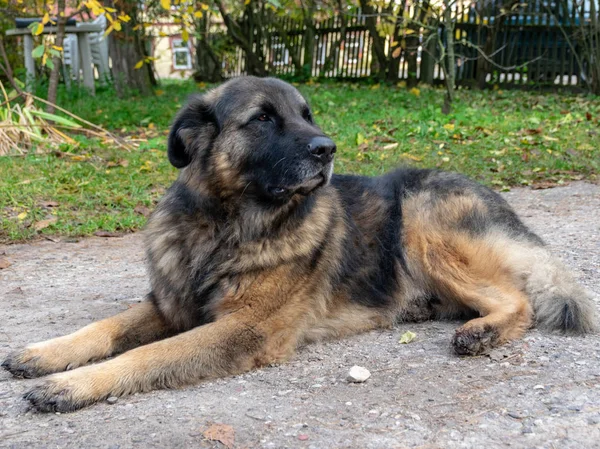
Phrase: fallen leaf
(588, 116)
(359, 138)
(142, 210)
(531, 131)
(414, 91)
(221, 433)
(47, 204)
(407, 337)
(4, 263)
(108, 234)
(22, 215)
(390, 146)
(44, 223)
(449, 126)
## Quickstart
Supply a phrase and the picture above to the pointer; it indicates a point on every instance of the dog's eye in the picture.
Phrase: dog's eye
(278, 191)
(263, 118)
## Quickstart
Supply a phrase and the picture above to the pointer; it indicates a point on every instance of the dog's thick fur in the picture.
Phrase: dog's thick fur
(257, 249)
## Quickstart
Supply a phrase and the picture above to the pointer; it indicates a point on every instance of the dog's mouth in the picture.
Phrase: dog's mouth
(312, 184)
(304, 189)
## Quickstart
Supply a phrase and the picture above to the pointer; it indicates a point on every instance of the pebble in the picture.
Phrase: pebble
(593, 420)
(539, 387)
(112, 400)
(516, 415)
(358, 374)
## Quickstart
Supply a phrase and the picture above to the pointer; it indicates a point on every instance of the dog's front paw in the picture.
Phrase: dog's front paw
(25, 363)
(65, 392)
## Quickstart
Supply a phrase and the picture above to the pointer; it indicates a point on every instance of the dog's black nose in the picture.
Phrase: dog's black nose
(323, 148)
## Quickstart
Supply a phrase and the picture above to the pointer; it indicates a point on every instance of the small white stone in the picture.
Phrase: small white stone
(358, 374)
(539, 387)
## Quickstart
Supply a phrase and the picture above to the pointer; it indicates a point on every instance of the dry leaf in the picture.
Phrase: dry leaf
(44, 223)
(22, 216)
(391, 146)
(407, 337)
(108, 234)
(221, 433)
(47, 204)
(4, 263)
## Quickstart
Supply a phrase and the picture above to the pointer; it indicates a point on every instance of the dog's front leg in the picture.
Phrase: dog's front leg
(136, 326)
(227, 346)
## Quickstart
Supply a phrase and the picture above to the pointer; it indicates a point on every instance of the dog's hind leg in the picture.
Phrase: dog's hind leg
(469, 273)
(136, 326)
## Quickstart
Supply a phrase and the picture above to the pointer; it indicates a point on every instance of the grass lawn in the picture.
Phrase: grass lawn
(501, 138)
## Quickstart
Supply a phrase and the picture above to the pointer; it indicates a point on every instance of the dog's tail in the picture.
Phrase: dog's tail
(558, 301)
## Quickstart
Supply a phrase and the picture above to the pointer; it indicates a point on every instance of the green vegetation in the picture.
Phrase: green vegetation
(501, 138)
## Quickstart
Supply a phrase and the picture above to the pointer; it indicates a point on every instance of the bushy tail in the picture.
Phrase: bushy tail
(558, 301)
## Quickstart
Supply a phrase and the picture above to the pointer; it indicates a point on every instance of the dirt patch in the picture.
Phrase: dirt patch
(542, 391)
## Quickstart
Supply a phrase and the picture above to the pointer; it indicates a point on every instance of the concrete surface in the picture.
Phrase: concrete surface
(540, 392)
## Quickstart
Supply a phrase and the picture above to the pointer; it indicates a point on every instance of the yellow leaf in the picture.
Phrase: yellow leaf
(449, 126)
(415, 91)
(44, 58)
(159, 92)
(402, 84)
(139, 64)
(198, 14)
(204, 6)
(46, 19)
(110, 9)
(185, 35)
(166, 4)
(396, 52)
(37, 29)
(246, 2)
(108, 30)
(137, 27)
(409, 31)
(407, 337)
(57, 48)
(22, 216)
(124, 18)
(117, 26)
(375, 86)
(162, 34)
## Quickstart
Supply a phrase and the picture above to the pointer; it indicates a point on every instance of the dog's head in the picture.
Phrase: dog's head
(252, 136)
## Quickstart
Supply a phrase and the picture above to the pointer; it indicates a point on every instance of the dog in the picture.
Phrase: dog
(257, 248)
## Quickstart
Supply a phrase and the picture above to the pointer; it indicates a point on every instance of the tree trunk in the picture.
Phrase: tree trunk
(450, 60)
(379, 62)
(208, 63)
(56, 60)
(126, 49)
(255, 64)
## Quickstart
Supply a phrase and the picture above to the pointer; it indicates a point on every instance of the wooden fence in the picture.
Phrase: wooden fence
(533, 44)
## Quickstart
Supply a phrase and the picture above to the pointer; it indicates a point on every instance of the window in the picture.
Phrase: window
(182, 57)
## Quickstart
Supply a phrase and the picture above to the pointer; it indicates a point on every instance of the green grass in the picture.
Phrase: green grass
(501, 138)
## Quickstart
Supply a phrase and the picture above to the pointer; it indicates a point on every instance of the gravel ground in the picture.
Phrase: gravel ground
(539, 392)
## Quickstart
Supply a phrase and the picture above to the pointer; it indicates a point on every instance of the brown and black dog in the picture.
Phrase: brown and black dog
(257, 248)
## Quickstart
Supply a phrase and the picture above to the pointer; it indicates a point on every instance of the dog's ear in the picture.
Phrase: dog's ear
(192, 132)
